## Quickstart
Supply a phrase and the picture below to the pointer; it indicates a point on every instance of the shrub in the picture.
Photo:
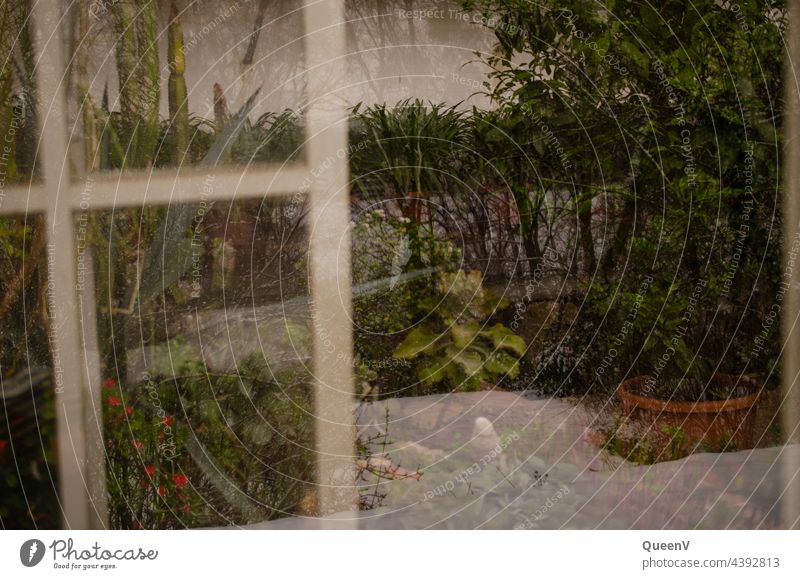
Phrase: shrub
(202, 449)
(453, 345)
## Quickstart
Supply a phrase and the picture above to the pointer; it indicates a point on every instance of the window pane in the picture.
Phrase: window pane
(560, 320)
(28, 469)
(168, 84)
(18, 95)
(207, 402)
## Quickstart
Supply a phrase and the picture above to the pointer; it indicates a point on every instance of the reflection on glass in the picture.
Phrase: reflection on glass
(207, 389)
(167, 84)
(27, 422)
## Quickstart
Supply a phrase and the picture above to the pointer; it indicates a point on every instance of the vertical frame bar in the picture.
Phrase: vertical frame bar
(330, 266)
(790, 410)
(61, 268)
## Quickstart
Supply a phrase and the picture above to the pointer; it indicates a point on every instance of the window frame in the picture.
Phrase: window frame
(60, 196)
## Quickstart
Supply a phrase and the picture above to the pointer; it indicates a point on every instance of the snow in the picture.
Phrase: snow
(498, 460)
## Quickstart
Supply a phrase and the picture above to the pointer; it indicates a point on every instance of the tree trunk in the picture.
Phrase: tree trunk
(176, 88)
(136, 23)
(585, 236)
(621, 238)
(529, 227)
(257, 26)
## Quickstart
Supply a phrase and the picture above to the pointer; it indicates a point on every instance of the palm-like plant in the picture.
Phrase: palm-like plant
(408, 150)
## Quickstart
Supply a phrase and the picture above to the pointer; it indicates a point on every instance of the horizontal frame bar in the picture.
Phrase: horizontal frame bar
(162, 187)
(24, 199)
(166, 187)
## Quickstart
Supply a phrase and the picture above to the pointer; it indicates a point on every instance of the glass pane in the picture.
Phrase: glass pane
(204, 313)
(18, 93)
(561, 320)
(172, 84)
(28, 468)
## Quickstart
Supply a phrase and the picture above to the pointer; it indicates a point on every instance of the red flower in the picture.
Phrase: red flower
(114, 401)
(138, 525)
(162, 491)
(109, 383)
(3, 444)
(129, 410)
(137, 444)
(110, 443)
(167, 421)
(180, 480)
(187, 508)
(149, 470)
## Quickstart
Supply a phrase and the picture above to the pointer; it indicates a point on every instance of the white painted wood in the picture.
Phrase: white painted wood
(61, 270)
(23, 199)
(175, 186)
(330, 257)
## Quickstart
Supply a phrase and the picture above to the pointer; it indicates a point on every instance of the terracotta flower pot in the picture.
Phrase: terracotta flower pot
(710, 425)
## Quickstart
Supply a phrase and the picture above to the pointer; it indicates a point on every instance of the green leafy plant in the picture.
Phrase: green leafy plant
(687, 131)
(406, 149)
(384, 274)
(196, 448)
(453, 345)
(389, 286)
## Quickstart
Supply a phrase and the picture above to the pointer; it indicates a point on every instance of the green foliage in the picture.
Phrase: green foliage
(18, 88)
(136, 27)
(272, 137)
(648, 445)
(453, 345)
(651, 447)
(393, 268)
(682, 111)
(28, 465)
(564, 365)
(23, 318)
(408, 148)
(201, 449)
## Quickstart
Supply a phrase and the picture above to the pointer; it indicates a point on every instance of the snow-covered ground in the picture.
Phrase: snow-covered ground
(500, 460)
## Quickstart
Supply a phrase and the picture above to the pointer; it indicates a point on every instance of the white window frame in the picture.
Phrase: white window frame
(59, 197)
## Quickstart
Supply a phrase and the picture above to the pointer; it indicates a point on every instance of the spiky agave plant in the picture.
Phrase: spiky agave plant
(276, 137)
